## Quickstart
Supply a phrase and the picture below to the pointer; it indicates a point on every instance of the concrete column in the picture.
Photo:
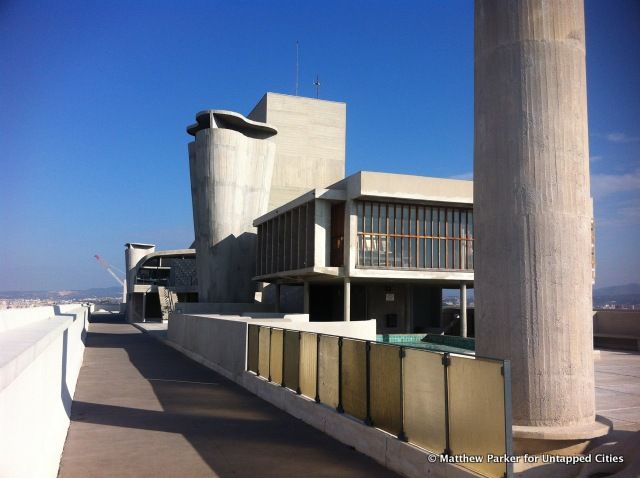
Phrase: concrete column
(144, 307)
(463, 309)
(231, 166)
(532, 210)
(277, 294)
(306, 297)
(347, 299)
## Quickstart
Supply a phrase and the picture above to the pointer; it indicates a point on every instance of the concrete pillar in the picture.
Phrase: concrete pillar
(144, 307)
(532, 211)
(231, 166)
(277, 294)
(463, 309)
(306, 297)
(347, 299)
(133, 252)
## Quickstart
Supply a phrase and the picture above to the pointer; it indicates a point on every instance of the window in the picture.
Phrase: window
(414, 236)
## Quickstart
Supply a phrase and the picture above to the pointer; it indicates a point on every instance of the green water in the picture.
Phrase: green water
(448, 343)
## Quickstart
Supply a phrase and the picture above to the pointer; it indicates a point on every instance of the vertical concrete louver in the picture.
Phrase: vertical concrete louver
(533, 208)
(231, 166)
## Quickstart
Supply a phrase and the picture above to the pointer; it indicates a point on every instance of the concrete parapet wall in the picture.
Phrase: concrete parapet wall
(617, 322)
(221, 340)
(617, 329)
(39, 364)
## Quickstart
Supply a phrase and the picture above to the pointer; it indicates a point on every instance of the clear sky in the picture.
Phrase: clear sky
(95, 98)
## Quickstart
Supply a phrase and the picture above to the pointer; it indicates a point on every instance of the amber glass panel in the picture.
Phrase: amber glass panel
(476, 412)
(386, 394)
(263, 354)
(308, 363)
(291, 359)
(252, 348)
(424, 406)
(275, 351)
(328, 373)
(354, 378)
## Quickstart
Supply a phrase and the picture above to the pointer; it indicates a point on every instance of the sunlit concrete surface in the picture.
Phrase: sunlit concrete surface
(143, 409)
(618, 388)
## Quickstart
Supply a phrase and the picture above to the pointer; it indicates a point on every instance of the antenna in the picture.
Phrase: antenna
(297, 65)
(317, 84)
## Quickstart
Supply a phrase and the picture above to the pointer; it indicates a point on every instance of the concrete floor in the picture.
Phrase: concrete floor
(618, 388)
(142, 409)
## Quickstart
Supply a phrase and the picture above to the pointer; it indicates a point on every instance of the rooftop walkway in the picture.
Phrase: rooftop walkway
(143, 409)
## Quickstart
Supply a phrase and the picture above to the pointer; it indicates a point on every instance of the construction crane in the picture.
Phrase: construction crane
(109, 268)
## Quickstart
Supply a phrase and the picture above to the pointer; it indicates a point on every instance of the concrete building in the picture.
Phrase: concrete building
(156, 280)
(241, 166)
(534, 214)
(373, 246)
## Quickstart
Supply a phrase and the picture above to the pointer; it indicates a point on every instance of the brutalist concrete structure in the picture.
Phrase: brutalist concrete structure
(533, 214)
(231, 166)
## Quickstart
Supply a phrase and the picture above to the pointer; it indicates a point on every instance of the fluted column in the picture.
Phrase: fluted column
(532, 206)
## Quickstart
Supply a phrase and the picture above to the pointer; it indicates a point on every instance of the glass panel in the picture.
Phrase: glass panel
(383, 251)
(405, 252)
(360, 217)
(412, 221)
(275, 352)
(405, 220)
(421, 221)
(441, 223)
(392, 216)
(391, 256)
(374, 251)
(263, 354)
(449, 223)
(354, 378)
(422, 254)
(291, 359)
(414, 252)
(375, 216)
(436, 254)
(450, 254)
(328, 373)
(398, 220)
(367, 217)
(428, 254)
(427, 220)
(443, 263)
(477, 427)
(424, 407)
(308, 363)
(360, 250)
(386, 395)
(383, 218)
(253, 347)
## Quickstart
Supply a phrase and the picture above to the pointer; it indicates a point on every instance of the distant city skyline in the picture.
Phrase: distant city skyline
(96, 100)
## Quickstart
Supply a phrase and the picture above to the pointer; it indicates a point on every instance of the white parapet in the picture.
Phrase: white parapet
(41, 351)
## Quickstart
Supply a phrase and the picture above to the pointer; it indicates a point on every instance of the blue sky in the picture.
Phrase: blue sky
(95, 98)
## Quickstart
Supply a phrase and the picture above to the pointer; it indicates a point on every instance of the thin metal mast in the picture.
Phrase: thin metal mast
(317, 84)
(297, 65)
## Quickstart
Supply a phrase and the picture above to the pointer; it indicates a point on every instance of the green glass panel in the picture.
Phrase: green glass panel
(263, 354)
(476, 412)
(329, 371)
(275, 351)
(386, 391)
(308, 363)
(354, 378)
(291, 359)
(253, 347)
(424, 394)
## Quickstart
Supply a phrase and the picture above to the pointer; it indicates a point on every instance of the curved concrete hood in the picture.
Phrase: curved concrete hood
(231, 120)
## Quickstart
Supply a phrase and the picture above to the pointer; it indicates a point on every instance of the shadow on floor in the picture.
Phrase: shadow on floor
(233, 431)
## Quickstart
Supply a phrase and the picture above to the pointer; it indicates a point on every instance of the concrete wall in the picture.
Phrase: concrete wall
(310, 145)
(39, 365)
(618, 329)
(230, 179)
(221, 341)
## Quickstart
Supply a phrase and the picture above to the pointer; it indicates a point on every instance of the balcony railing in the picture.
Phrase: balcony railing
(448, 404)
